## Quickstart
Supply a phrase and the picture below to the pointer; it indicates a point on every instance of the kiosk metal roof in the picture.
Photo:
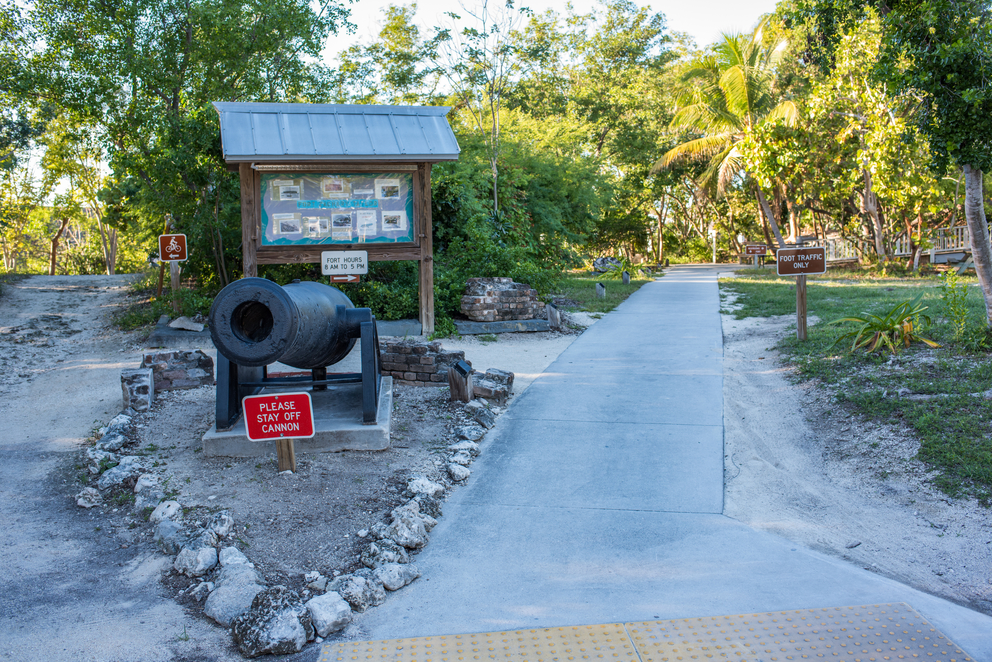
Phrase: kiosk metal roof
(302, 132)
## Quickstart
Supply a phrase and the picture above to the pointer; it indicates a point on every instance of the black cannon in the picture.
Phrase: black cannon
(255, 322)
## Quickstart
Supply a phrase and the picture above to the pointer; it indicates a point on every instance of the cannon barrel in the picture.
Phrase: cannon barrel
(306, 325)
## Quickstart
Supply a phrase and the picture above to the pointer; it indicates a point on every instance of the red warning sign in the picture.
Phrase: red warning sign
(172, 247)
(278, 416)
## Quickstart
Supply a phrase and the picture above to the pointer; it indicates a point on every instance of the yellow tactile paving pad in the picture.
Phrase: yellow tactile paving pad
(594, 643)
(855, 634)
(844, 634)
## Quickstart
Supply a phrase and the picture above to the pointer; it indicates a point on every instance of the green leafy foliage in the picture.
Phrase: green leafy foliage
(894, 329)
(954, 294)
(952, 426)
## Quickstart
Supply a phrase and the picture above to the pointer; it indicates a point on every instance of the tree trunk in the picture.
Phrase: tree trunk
(795, 229)
(869, 205)
(768, 215)
(55, 246)
(978, 228)
(919, 247)
(109, 247)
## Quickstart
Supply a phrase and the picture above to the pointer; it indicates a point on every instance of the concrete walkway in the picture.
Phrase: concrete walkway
(599, 496)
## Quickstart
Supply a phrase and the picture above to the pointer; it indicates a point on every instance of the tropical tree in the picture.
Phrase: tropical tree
(942, 50)
(729, 93)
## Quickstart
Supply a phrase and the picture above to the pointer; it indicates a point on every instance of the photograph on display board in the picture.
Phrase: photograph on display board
(288, 223)
(286, 189)
(335, 187)
(387, 189)
(317, 225)
(337, 208)
(394, 221)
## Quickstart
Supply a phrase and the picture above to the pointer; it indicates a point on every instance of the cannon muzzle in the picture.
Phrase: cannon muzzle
(306, 325)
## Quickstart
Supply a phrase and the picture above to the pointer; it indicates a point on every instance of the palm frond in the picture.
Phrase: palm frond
(731, 166)
(734, 83)
(696, 148)
(787, 111)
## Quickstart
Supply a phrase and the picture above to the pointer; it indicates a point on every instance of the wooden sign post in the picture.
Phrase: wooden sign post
(800, 262)
(172, 249)
(282, 417)
(755, 251)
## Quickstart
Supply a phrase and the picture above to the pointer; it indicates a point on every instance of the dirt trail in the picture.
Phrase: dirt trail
(69, 590)
(801, 466)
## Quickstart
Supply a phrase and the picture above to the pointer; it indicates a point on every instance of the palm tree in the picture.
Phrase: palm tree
(728, 94)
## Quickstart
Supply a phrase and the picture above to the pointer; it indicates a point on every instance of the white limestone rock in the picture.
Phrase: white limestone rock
(97, 459)
(329, 613)
(466, 446)
(112, 441)
(233, 556)
(221, 523)
(197, 556)
(457, 472)
(463, 458)
(383, 552)
(186, 324)
(237, 585)
(471, 433)
(395, 576)
(170, 536)
(360, 592)
(88, 498)
(126, 472)
(421, 485)
(278, 623)
(166, 510)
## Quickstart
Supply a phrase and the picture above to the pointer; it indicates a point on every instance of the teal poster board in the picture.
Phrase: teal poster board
(302, 209)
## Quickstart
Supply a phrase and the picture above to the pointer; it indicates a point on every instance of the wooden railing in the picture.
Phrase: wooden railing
(946, 240)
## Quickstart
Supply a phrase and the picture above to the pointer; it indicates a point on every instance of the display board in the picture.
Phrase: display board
(313, 208)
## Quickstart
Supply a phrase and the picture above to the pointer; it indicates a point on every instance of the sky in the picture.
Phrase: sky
(702, 19)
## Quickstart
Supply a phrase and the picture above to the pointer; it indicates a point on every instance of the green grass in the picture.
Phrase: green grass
(144, 308)
(953, 431)
(582, 289)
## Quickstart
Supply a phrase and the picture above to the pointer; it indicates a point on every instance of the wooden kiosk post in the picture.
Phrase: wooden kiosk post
(319, 178)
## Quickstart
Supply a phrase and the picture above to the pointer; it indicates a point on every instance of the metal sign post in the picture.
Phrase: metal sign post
(283, 417)
(800, 262)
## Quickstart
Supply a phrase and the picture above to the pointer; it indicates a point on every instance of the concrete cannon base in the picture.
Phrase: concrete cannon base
(337, 414)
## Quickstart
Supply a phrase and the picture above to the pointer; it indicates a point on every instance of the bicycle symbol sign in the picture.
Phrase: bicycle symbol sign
(172, 247)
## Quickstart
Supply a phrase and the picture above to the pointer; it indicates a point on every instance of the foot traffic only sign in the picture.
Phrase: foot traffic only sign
(801, 261)
(344, 266)
(172, 247)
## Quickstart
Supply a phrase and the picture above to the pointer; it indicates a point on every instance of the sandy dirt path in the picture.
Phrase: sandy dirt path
(802, 467)
(69, 589)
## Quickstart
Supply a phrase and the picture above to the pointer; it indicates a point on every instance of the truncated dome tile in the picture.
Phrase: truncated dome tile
(586, 643)
(872, 633)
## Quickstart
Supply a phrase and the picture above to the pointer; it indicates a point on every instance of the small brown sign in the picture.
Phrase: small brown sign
(801, 261)
(172, 247)
(344, 278)
(755, 249)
